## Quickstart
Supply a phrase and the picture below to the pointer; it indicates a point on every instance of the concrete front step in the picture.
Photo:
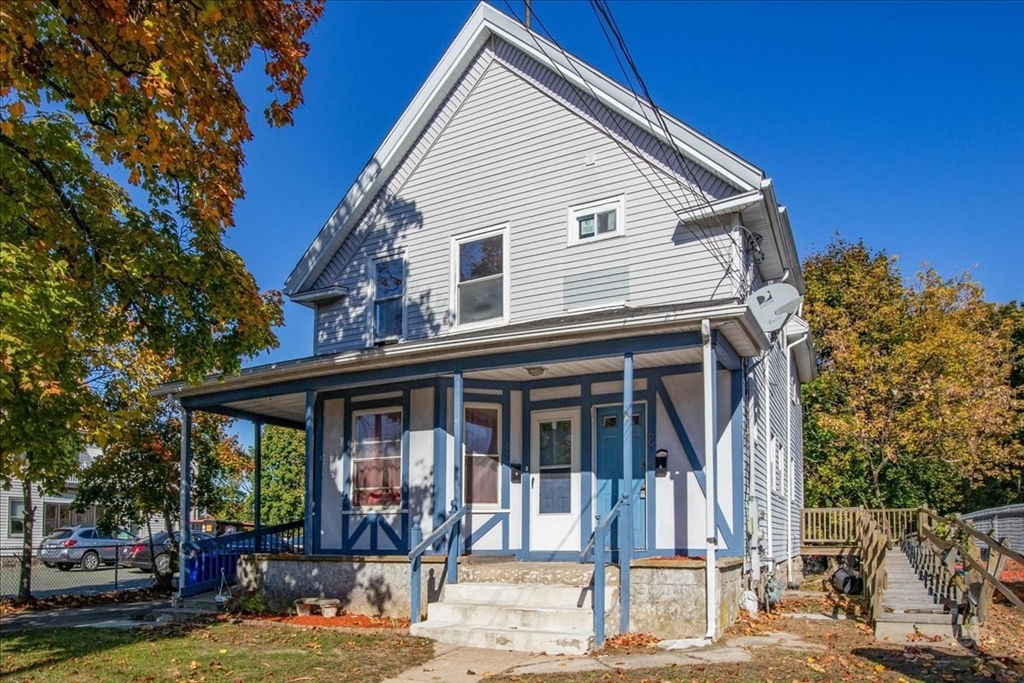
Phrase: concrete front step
(535, 573)
(524, 595)
(506, 637)
(543, 618)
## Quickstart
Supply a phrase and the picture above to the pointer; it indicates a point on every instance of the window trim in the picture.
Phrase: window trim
(353, 505)
(371, 338)
(453, 308)
(500, 430)
(617, 204)
(10, 517)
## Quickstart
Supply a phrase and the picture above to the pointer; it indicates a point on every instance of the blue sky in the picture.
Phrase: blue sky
(898, 123)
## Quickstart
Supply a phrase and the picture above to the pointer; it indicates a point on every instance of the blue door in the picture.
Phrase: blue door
(608, 467)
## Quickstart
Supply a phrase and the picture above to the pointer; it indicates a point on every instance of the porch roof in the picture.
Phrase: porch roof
(571, 345)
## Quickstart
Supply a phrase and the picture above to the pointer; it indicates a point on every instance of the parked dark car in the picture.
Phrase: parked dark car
(155, 556)
(83, 545)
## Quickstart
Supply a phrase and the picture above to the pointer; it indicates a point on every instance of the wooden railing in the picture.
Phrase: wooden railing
(874, 543)
(829, 527)
(960, 564)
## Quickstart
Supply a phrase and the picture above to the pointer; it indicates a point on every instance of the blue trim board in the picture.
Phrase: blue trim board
(480, 531)
(440, 450)
(587, 456)
(426, 370)
(318, 469)
(311, 497)
(405, 530)
(526, 456)
(737, 541)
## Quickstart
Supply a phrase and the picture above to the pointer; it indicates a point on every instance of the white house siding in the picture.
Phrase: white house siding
(679, 517)
(514, 144)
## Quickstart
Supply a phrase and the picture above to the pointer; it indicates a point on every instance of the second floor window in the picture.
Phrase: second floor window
(388, 299)
(481, 277)
(592, 222)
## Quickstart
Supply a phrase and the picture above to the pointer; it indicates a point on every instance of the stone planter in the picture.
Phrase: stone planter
(304, 606)
(328, 606)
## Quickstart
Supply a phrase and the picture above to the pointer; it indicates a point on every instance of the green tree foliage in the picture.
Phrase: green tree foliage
(283, 473)
(144, 90)
(913, 403)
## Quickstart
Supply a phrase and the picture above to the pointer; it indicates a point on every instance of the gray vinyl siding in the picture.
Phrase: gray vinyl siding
(510, 146)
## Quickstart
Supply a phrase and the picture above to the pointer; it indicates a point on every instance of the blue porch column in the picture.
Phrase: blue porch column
(186, 497)
(308, 528)
(257, 481)
(455, 537)
(626, 516)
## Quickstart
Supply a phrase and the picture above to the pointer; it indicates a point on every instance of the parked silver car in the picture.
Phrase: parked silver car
(82, 545)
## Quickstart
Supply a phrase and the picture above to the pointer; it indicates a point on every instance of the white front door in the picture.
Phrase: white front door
(555, 480)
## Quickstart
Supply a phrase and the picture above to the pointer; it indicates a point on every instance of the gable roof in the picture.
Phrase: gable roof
(485, 23)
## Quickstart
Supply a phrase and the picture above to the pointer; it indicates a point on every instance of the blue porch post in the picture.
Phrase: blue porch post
(626, 518)
(455, 540)
(257, 481)
(307, 538)
(186, 497)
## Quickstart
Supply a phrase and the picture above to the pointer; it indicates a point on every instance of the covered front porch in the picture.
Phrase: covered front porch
(548, 429)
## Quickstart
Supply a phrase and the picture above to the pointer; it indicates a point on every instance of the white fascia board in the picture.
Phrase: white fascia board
(797, 328)
(446, 348)
(390, 152)
(310, 298)
(482, 24)
(782, 236)
(721, 207)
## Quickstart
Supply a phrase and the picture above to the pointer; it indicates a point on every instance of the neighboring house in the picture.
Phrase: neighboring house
(524, 245)
(53, 510)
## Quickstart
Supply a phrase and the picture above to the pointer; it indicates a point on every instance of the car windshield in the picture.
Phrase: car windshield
(59, 534)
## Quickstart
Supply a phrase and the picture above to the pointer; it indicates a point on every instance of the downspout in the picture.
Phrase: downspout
(710, 498)
(789, 461)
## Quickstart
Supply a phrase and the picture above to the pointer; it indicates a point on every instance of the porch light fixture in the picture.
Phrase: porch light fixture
(536, 370)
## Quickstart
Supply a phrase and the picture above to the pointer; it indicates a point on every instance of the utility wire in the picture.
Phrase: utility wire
(603, 11)
(629, 153)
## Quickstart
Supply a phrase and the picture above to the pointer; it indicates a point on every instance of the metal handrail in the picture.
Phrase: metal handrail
(451, 530)
(598, 541)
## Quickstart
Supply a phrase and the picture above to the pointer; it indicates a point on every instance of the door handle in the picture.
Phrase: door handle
(643, 491)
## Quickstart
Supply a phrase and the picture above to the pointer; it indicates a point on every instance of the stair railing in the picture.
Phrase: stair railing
(949, 547)
(874, 543)
(599, 543)
(451, 532)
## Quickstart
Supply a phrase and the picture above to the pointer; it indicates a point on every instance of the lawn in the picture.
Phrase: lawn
(206, 653)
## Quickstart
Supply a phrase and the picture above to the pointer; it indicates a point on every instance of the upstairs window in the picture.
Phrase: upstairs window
(388, 315)
(596, 221)
(481, 278)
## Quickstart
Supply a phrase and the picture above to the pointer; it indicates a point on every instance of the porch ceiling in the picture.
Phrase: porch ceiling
(593, 366)
(287, 410)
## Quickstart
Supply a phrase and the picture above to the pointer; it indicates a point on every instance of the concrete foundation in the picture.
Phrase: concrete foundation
(668, 596)
(377, 585)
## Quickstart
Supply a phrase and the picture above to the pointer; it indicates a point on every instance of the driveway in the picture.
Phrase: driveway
(49, 582)
(122, 615)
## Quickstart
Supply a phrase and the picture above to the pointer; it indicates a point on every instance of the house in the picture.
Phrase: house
(530, 302)
(53, 510)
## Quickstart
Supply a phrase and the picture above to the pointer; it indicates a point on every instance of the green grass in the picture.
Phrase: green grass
(205, 653)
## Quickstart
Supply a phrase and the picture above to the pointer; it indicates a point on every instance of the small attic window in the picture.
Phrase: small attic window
(597, 221)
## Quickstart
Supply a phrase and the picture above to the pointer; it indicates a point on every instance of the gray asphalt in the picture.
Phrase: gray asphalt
(126, 615)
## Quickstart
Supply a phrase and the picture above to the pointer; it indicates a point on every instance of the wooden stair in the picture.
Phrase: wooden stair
(909, 609)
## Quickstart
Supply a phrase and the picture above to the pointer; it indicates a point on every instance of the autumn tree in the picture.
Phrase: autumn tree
(121, 140)
(913, 402)
(283, 475)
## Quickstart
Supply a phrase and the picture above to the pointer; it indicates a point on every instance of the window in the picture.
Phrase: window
(482, 458)
(388, 314)
(377, 459)
(555, 449)
(480, 265)
(16, 518)
(597, 221)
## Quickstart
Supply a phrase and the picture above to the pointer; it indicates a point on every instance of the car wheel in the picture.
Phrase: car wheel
(64, 566)
(90, 562)
(162, 564)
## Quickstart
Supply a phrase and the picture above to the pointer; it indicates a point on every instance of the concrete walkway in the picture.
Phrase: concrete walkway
(455, 664)
(120, 615)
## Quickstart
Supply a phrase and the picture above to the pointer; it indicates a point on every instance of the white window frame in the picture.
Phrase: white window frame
(372, 338)
(11, 517)
(465, 455)
(616, 204)
(456, 242)
(356, 414)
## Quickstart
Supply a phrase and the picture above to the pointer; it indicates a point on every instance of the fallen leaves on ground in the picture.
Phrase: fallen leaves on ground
(9, 606)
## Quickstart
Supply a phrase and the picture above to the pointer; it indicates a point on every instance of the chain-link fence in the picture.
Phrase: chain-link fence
(70, 571)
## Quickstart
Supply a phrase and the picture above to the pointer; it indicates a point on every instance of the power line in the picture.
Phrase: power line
(615, 119)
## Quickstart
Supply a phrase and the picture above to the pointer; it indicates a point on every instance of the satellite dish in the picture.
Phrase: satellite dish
(773, 305)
